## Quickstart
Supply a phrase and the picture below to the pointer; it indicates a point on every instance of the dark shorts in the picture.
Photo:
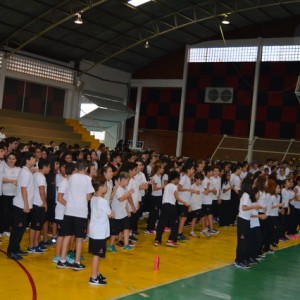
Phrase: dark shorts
(50, 213)
(97, 247)
(118, 225)
(59, 223)
(182, 210)
(75, 226)
(197, 214)
(37, 217)
(207, 209)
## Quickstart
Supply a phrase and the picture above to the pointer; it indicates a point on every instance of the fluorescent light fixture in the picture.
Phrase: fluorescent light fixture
(225, 20)
(137, 2)
(79, 19)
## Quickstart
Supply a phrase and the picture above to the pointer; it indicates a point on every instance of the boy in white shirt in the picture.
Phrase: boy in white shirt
(99, 228)
(169, 212)
(39, 207)
(22, 203)
(80, 191)
(120, 206)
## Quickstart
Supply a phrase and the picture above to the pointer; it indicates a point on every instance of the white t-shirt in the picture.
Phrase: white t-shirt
(39, 179)
(227, 195)
(157, 179)
(165, 178)
(119, 207)
(80, 186)
(236, 181)
(169, 194)
(262, 201)
(60, 208)
(134, 184)
(9, 189)
(25, 179)
(207, 199)
(185, 182)
(109, 190)
(215, 184)
(285, 194)
(254, 222)
(2, 166)
(243, 175)
(99, 224)
(297, 194)
(292, 195)
(196, 200)
(274, 200)
(141, 178)
(245, 200)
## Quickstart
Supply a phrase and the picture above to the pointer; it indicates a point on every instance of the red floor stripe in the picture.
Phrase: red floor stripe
(33, 287)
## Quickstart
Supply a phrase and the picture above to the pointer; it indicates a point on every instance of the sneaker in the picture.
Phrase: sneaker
(111, 248)
(34, 250)
(150, 231)
(242, 265)
(214, 231)
(133, 239)
(157, 243)
(64, 265)
(181, 237)
(101, 276)
(270, 251)
(292, 236)
(48, 243)
(14, 256)
(261, 255)
(194, 235)
(98, 281)
(131, 243)
(283, 239)
(6, 233)
(127, 247)
(120, 244)
(71, 254)
(42, 247)
(167, 229)
(78, 267)
(206, 233)
(171, 244)
(56, 259)
(259, 258)
(21, 253)
(253, 261)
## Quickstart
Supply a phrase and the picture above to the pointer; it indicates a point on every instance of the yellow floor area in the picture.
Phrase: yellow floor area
(36, 277)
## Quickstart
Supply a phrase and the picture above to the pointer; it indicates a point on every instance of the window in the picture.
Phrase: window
(281, 53)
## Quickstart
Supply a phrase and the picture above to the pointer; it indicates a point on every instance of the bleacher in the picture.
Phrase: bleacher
(43, 129)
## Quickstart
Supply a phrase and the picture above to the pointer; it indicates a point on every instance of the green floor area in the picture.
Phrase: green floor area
(277, 277)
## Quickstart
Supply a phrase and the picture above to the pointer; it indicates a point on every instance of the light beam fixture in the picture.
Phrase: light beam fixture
(78, 19)
(147, 45)
(225, 20)
(136, 3)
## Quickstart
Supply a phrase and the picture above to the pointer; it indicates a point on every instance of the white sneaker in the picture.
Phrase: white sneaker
(194, 235)
(206, 233)
(6, 233)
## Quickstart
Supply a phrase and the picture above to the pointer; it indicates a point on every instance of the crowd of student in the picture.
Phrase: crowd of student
(102, 195)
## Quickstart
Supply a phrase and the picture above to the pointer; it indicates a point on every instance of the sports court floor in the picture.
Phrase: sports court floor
(197, 269)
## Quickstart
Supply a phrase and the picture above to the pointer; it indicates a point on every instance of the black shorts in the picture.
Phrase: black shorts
(182, 210)
(59, 223)
(75, 226)
(37, 217)
(97, 247)
(118, 225)
(207, 209)
(197, 214)
(50, 213)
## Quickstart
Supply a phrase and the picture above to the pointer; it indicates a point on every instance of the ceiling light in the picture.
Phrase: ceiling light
(225, 20)
(137, 2)
(79, 19)
(147, 45)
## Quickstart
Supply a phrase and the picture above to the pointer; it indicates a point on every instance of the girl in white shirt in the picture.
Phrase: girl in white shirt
(156, 197)
(235, 181)
(225, 201)
(9, 190)
(243, 224)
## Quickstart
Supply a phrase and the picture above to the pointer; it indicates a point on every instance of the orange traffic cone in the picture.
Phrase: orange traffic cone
(156, 263)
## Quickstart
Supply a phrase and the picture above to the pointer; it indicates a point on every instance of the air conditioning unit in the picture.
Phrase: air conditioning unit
(297, 89)
(218, 95)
